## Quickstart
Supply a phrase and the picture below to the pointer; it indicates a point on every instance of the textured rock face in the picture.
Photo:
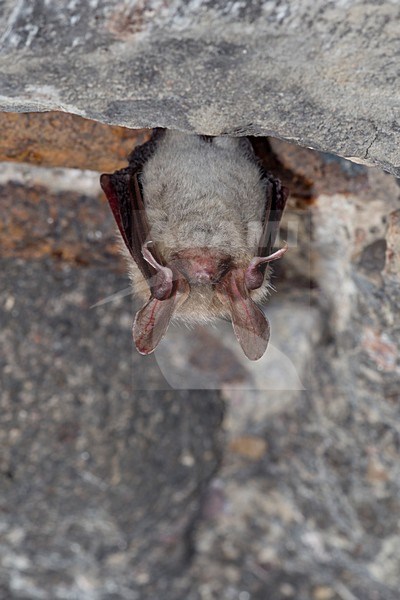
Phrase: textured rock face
(322, 74)
(311, 482)
(57, 139)
(102, 466)
(112, 484)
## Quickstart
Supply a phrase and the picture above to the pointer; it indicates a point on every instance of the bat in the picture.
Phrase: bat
(198, 216)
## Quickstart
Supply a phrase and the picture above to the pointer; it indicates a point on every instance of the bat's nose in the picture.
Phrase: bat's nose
(203, 276)
(201, 266)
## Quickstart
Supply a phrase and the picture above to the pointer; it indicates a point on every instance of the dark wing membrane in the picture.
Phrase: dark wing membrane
(141, 228)
(116, 189)
(124, 195)
(132, 223)
(275, 205)
(275, 198)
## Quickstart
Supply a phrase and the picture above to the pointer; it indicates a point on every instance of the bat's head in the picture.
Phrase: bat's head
(149, 201)
(230, 285)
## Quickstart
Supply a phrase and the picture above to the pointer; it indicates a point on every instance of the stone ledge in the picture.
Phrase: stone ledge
(320, 74)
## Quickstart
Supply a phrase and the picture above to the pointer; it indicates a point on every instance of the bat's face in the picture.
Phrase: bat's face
(202, 284)
(202, 266)
(181, 190)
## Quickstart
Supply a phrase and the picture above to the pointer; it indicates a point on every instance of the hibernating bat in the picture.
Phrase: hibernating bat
(198, 216)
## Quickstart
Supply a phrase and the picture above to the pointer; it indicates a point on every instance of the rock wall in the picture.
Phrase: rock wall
(324, 75)
(197, 475)
(117, 482)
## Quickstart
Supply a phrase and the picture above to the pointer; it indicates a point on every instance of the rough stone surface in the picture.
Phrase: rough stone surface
(103, 467)
(307, 499)
(55, 139)
(323, 74)
(112, 483)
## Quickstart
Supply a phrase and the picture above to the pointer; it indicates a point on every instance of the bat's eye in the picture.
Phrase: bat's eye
(223, 267)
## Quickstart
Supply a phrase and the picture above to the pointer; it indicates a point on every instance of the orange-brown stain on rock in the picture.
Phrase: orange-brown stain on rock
(56, 139)
(251, 447)
(66, 226)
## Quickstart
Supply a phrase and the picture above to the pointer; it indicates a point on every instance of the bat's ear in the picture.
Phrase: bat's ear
(161, 285)
(152, 321)
(249, 323)
(254, 274)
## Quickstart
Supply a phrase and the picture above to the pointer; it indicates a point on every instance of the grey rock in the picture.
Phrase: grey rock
(103, 467)
(112, 484)
(316, 515)
(324, 75)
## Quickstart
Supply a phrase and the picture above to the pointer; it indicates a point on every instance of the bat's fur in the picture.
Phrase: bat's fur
(202, 193)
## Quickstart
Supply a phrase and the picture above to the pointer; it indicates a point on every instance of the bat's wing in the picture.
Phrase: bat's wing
(275, 199)
(124, 195)
(275, 205)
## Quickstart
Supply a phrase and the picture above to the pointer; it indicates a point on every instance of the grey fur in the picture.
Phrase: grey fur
(202, 193)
